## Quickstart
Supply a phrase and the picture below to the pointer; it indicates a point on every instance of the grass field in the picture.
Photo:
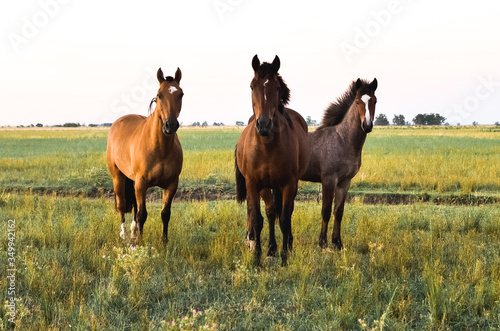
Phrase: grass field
(416, 266)
(404, 267)
(434, 161)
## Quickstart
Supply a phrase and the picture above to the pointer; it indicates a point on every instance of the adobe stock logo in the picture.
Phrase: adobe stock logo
(140, 94)
(31, 27)
(483, 91)
(222, 7)
(363, 36)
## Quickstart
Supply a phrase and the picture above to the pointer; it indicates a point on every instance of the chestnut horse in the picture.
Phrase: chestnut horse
(336, 151)
(272, 153)
(144, 152)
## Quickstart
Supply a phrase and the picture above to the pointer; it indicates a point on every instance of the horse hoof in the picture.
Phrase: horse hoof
(251, 244)
(123, 232)
(271, 252)
(134, 229)
(338, 245)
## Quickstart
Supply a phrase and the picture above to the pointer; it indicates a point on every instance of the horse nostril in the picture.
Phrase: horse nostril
(175, 126)
(367, 127)
(170, 126)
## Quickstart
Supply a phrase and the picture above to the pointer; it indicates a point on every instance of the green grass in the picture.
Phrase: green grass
(432, 161)
(417, 266)
(420, 266)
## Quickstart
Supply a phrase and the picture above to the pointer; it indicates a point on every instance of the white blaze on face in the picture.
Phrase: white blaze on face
(365, 99)
(265, 83)
(172, 89)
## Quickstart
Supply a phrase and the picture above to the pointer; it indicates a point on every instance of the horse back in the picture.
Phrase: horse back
(124, 129)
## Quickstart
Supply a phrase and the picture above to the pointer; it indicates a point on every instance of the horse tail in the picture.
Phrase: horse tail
(129, 195)
(241, 188)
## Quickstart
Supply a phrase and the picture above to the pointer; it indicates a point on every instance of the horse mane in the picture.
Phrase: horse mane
(337, 110)
(151, 106)
(266, 70)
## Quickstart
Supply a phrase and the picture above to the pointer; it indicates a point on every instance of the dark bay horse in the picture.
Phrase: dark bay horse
(336, 150)
(272, 153)
(144, 152)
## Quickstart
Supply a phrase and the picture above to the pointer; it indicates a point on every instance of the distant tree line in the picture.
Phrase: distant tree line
(310, 121)
(65, 125)
(428, 119)
(198, 124)
(380, 120)
(420, 119)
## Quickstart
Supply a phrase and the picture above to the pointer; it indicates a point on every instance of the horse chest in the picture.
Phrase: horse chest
(159, 166)
(272, 174)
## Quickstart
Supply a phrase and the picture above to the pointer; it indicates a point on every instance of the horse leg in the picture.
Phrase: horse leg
(340, 196)
(268, 198)
(326, 211)
(141, 214)
(289, 193)
(120, 200)
(168, 196)
(253, 210)
(250, 235)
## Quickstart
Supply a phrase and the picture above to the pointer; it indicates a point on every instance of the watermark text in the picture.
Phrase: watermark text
(11, 271)
(363, 36)
(223, 7)
(31, 26)
(483, 91)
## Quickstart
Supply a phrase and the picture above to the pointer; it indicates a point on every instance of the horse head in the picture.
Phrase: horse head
(269, 94)
(169, 101)
(365, 103)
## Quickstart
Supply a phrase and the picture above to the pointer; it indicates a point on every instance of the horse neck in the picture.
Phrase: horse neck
(154, 130)
(350, 130)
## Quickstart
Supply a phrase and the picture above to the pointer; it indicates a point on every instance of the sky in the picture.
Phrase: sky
(93, 61)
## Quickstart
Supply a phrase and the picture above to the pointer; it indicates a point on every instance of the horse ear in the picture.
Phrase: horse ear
(160, 76)
(374, 84)
(255, 63)
(358, 84)
(276, 64)
(178, 75)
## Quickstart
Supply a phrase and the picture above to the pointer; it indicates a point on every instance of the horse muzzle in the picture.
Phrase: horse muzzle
(367, 127)
(170, 127)
(264, 126)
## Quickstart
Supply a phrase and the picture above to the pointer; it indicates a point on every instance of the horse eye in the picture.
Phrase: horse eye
(251, 87)
(158, 96)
